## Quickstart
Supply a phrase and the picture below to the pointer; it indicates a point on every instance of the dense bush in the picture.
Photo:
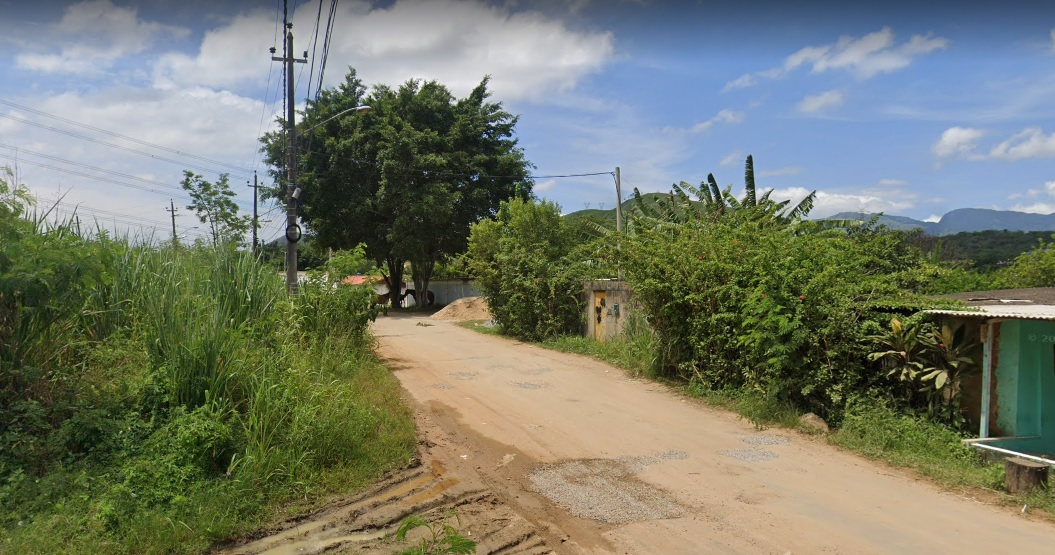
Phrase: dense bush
(781, 310)
(529, 265)
(1035, 268)
(157, 399)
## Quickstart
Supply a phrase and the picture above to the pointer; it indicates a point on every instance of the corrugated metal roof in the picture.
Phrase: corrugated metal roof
(1022, 312)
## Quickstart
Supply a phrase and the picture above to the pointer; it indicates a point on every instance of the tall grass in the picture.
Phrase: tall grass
(174, 397)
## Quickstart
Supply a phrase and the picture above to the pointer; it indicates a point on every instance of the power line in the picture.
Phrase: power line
(120, 136)
(100, 179)
(104, 143)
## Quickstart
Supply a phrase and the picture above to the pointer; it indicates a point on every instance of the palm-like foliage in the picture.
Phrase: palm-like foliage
(713, 203)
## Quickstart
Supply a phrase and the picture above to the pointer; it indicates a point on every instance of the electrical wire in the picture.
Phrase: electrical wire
(100, 179)
(115, 134)
(112, 145)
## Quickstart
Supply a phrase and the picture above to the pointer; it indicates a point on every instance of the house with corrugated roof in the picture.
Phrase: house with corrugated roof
(1013, 399)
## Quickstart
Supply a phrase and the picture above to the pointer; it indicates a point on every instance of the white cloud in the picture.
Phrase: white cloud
(789, 170)
(545, 185)
(828, 204)
(957, 141)
(1035, 208)
(933, 219)
(93, 35)
(1047, 191)
(742, 82)
(893, 182)
(866, 57)
(816, 103)
(1028, 143)
(456, 42)
(732, 158)
(228, 56)
(723, 116)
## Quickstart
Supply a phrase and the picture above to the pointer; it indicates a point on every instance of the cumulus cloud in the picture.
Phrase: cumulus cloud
(865, 56)
(723, 116)
(828, 204)
(957, 141)
(94, 34)
(962, 142)
(1046, 204)
(1035, 208)
(456, 42)
(933, 219)
(816, 103)
(1028, 143)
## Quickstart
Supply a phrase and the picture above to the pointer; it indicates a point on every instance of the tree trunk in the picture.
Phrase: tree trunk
(1022, 475)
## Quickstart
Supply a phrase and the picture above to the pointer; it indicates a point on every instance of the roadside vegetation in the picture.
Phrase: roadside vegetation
(162, 398)
(745, 303)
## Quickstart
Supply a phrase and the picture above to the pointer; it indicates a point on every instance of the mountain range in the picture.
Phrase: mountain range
(964, 220)
(957, 221)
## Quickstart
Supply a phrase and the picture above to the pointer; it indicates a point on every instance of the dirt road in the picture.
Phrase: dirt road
(601, 463)
(541, 452)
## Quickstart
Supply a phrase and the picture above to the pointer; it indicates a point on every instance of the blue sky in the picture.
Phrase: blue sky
(911, 108)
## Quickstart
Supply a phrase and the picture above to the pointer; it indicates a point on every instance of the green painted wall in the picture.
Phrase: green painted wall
(1025, 385)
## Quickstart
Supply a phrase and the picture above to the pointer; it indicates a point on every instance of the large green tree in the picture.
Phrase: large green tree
(408, 178)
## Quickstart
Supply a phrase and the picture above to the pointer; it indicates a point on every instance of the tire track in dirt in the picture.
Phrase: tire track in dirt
(366, 523)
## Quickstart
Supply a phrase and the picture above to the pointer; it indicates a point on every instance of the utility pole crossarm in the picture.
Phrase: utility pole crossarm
(292, 230)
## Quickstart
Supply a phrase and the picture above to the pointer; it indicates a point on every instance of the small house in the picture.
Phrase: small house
(1012, 400)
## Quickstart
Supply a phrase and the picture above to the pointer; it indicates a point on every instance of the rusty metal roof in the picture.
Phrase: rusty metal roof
(1008, 311)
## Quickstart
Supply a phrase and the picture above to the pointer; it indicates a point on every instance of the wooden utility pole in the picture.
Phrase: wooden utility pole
(292, 229)
(172, 210)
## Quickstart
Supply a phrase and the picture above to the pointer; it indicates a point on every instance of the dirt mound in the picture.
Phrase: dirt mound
(464, 310)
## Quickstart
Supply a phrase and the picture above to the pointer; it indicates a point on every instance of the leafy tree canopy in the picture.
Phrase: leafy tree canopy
(408, 178)
(214, 205)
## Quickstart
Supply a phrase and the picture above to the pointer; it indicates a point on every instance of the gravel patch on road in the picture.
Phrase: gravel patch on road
(442, 386)
(750, 455)
(537, 371)
(530, 385)
(462, 375)
(765, 440)
(606, 490)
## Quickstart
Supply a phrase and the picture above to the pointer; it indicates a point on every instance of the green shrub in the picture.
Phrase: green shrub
(771, 309)
(528, 267)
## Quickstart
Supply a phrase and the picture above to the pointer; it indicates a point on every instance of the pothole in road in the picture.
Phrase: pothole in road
(537, 371)
(462, 375)
(606, 489)
(442, 386)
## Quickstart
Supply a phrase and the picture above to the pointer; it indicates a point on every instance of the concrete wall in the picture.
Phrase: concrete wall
(608, 306)
(447, 291)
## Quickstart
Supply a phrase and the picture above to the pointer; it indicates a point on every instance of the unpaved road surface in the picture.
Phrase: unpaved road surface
(539, 451)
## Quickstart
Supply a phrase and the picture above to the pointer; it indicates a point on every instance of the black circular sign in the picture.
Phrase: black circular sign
(293, 233)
